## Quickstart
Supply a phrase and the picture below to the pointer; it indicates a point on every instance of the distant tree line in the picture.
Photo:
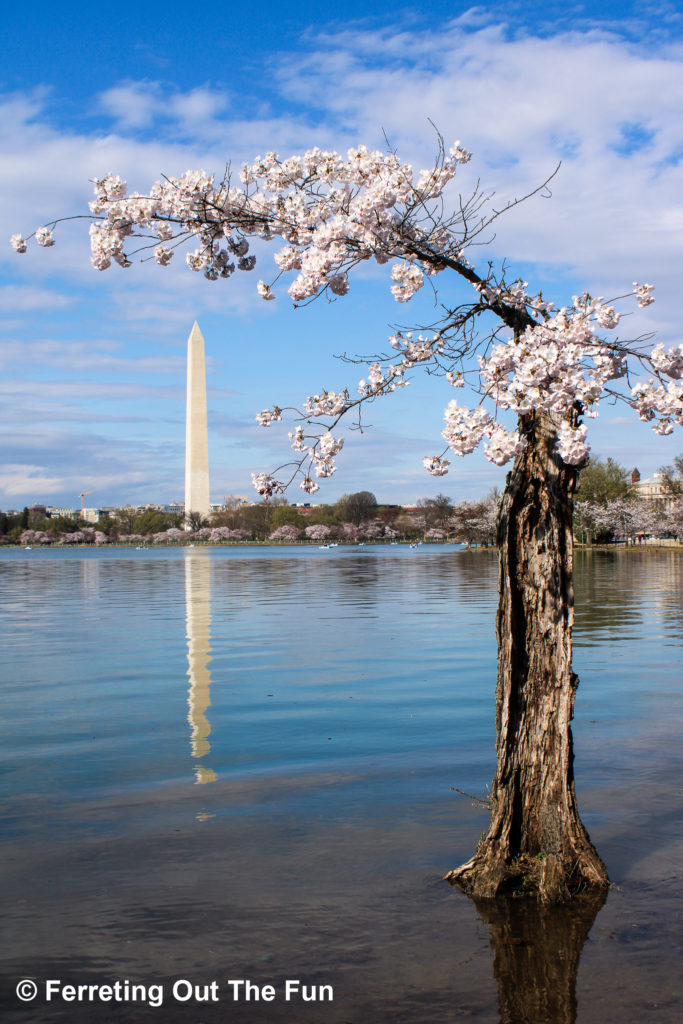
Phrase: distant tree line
(607, 508)
(355, 517)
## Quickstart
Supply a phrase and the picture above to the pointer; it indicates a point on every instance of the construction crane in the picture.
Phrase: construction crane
(82, 496)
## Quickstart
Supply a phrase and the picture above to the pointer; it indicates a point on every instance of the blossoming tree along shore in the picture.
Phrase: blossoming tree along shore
(520, 357)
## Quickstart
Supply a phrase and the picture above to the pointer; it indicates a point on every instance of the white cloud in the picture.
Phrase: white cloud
(132, 104)
(86, 356)
(86, 390)
(17, 480)
(15, 298)
(135, 105)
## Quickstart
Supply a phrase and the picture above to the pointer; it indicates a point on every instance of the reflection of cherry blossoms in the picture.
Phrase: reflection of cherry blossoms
(331, 214)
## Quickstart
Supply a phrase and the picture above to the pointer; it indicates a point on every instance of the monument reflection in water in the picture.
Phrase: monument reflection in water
(536, 947)
(198, 631)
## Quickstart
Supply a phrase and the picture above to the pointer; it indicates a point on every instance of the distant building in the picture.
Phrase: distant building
(653, 490)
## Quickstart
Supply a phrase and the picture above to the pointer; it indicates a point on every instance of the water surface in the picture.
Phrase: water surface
(243, 763)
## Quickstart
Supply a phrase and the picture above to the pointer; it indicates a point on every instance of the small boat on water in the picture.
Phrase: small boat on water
(324, 547)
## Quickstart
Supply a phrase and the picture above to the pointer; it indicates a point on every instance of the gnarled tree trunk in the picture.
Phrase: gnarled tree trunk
(536, 842)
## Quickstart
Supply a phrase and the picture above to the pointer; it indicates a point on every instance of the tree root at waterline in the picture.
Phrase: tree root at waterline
(551, 877)
(542, 876)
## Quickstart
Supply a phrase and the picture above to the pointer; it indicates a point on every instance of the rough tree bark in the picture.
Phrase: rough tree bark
(536, 842)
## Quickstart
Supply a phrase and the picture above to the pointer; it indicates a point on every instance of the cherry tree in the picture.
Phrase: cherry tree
(475, 522)
(674, 514)
(76, 537)
(434, 534)
(220, 533)
(349, 532)
(238, 535)
(286, 534)
(627, 518)
(533, 373)
(372, 531)
(317, 532)
(173, 534)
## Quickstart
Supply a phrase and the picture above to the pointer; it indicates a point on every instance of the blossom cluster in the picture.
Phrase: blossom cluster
(43, 237)
(320, 456)
(464, 431)
(268, 416)
(558, 366)
(330, 403)
(382, 381)
(643, 293)
(669, 363)
(436, 465)
(659, 403)
(555, 364)
(419, 350)
(266, 485)
(330, 211)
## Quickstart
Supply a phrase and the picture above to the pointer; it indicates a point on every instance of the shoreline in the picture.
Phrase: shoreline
(672, 545)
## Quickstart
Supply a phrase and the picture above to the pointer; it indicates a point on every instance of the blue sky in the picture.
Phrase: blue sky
(92, 385)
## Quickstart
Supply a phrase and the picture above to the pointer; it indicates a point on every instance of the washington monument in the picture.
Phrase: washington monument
(196, 434)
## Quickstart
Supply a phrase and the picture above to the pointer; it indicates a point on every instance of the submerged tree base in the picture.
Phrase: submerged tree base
(546, 877)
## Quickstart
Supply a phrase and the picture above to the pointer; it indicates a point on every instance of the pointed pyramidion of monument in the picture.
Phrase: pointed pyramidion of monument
(196, 433)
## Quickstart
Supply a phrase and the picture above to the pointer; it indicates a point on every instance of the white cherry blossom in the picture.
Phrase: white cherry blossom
(436, 465)
(268, 416)
(329, 213)
(44, 237)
